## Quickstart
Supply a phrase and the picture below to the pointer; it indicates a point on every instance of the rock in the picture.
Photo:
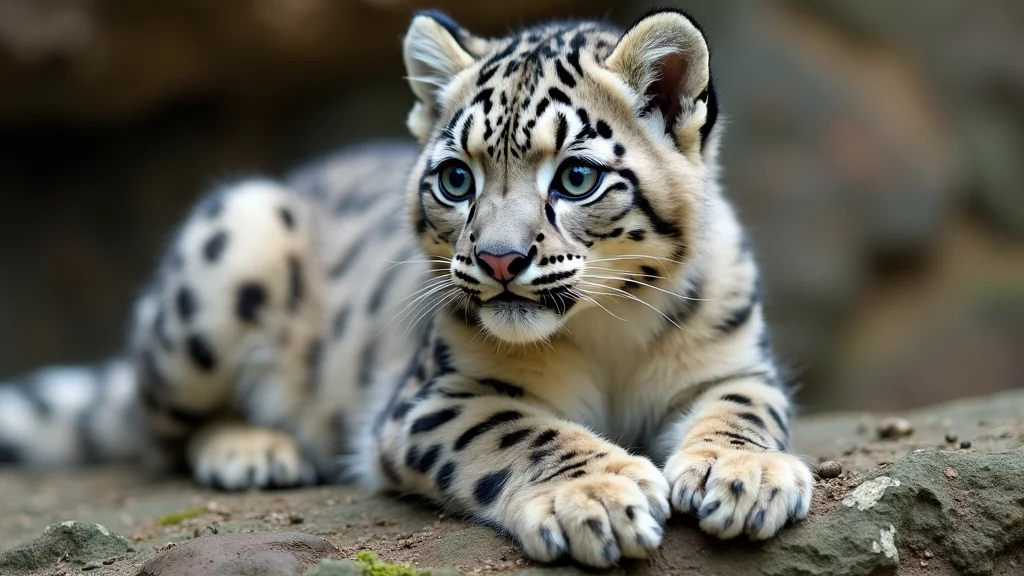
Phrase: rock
(830, 469)
(895, 428)
(250, 554)
(78, 544)
(912, 504)
(331, 567)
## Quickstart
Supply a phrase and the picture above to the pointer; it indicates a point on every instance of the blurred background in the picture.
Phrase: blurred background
(874, 148)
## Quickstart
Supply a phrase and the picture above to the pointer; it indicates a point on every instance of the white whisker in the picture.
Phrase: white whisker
(624, 294)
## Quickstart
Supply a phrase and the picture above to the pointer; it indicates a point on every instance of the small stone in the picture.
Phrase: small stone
(924, 563)
(830, 469)
(950, 437)
(295, 518)
(895, 428)
(950, 473)
(965, 444)
(928, 554)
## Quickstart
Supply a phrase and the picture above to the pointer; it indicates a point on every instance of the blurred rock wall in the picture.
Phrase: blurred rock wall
(875, 149)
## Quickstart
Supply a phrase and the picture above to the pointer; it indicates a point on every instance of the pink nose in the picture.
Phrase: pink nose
(504, 267)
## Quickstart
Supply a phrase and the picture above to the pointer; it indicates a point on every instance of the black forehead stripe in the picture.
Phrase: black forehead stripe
(559, 96)
(577, 42)
(542, 105)
(564, 75)
(562, 128)
(511, 68)
(450, 126)
(464, 137)
(501, 55)
(583, 116)
(484, 97)
(486, 75)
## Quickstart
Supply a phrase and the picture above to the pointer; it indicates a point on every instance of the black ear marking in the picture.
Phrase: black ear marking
(446, 22)
(710, 98)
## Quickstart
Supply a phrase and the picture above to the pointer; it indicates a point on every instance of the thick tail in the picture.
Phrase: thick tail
(71, 415)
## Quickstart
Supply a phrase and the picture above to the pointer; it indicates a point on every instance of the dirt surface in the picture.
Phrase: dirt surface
(157, 513)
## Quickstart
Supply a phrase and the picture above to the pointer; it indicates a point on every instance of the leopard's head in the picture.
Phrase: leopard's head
(562, 166)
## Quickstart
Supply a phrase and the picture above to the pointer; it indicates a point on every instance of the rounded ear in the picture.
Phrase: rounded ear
(435, 50)
(664, 58)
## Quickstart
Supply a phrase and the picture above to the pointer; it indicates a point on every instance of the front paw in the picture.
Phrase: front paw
(736, 492)
(599, 518)
(240, 458)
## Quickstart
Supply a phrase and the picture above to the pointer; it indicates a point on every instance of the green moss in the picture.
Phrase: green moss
(371, 566)
(180, 516)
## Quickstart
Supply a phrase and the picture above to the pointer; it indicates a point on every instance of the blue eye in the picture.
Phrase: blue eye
(456, 181)
(576, 181)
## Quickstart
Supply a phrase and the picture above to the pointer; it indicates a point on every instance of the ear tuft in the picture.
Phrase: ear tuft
(664, 59)
(434, 53)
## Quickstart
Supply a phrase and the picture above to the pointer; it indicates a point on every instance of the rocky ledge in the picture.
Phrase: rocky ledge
(936, 491)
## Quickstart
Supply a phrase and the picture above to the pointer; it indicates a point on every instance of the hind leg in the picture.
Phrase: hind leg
(227, 335)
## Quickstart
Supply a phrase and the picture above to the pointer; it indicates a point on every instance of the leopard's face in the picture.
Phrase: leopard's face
(550, 181)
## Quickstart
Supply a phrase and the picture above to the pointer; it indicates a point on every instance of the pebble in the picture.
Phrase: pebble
(965, 444)
(928, 554)
(895, 428)
(295, 518)
(950, 437)
(830, 469)
(951, 473)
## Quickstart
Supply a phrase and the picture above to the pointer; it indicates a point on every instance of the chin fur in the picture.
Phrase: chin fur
(519, 325)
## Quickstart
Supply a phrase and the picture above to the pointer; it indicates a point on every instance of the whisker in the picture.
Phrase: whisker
(432, 283)
(635, 281)
(627, 295)
(437, 260)
(583, 296)
(636, 257)
(429, 313)
(414, 305)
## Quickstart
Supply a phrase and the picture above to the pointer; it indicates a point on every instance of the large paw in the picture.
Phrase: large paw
(736, 492)
(616, 511)
(239, 458)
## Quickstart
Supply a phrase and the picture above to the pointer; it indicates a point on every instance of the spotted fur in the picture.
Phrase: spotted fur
(569, 366)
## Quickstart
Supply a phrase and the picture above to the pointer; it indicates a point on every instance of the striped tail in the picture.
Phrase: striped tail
(71, 415)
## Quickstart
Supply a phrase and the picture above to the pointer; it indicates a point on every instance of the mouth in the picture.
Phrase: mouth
(558, 300)
(508, 301)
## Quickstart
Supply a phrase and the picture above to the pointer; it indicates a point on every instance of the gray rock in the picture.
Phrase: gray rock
(903, 509)
(77, 544)
(249, 554)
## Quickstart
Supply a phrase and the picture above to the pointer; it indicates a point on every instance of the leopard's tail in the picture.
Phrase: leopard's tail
(71, 415)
